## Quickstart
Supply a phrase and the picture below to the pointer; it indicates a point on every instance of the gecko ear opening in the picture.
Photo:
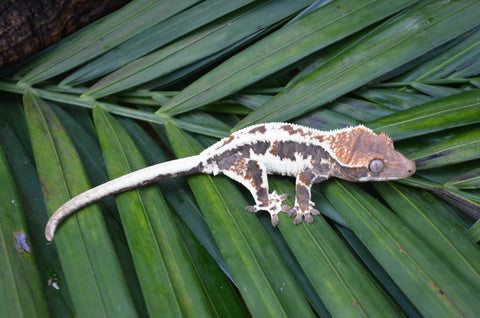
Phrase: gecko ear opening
(376, 166)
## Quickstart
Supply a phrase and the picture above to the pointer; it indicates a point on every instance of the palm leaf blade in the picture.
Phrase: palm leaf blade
(153, 38)
(421, 212)
(163, 268)
(333, 271)
(409, 262)
(285, 46)
(371, 58)
(19, 279)
(92, 294)
(440, 114)
(200, 44)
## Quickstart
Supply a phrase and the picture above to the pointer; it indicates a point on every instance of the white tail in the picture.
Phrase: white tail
(164, 170)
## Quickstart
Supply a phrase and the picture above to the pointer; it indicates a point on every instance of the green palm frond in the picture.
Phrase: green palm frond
(162, 79)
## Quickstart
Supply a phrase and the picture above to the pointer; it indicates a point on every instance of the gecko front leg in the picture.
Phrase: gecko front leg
(303, 204)
(253, 175)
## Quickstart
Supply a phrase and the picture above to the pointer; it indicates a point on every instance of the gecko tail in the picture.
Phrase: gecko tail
(164, 170)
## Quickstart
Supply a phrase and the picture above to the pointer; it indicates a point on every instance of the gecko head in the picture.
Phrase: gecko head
(371, 157)
(381, 166)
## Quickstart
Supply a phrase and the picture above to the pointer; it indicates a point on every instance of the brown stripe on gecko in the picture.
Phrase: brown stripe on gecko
(281, 149)
(226, 141)
(254, 173)
(259, 148)
(302, 196)
(304, 183)
(285, 149)
(260, 129)
(319, 138)
(247, 172)
(306, 177)
(292, 131)
(288, 149)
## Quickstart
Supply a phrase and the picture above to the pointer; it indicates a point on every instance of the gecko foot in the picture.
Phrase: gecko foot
(273, 206)
(299, 214)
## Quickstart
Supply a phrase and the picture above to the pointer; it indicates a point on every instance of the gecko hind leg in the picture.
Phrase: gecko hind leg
(304, 206)
(253, 175)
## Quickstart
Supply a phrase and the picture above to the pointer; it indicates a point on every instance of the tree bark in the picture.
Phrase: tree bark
(28, 26)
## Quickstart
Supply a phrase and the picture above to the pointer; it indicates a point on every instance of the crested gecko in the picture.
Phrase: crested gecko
(311, 156)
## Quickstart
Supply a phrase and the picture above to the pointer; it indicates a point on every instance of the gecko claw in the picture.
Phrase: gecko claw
(274, 220)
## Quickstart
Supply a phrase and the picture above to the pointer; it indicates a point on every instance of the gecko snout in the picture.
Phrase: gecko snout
(411, 167)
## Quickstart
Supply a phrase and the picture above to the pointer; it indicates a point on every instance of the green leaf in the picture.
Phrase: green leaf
(70, 99)
(198, 45)
(26, 178)
(474, 232)
(435, 290)
(466, 201)
(153, 38)
(359, 109)
(165, 272)
(92, 273)
(430, 220)
(435, 91)
(469, 180)
(96, 39)
(395, 99)
(463, 146)
(394, 43)
(221, 292)
(450, 63)
(440, 114)
(20, 281)
(331, 268)
(294, 41)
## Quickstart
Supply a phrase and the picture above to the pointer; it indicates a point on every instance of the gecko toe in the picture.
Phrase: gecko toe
(298, 220)
(274, 220)
(288, 209)
(251, 208)
(315, 212)
(308, 218)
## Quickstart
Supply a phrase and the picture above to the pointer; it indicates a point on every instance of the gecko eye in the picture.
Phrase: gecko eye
(376, 166)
